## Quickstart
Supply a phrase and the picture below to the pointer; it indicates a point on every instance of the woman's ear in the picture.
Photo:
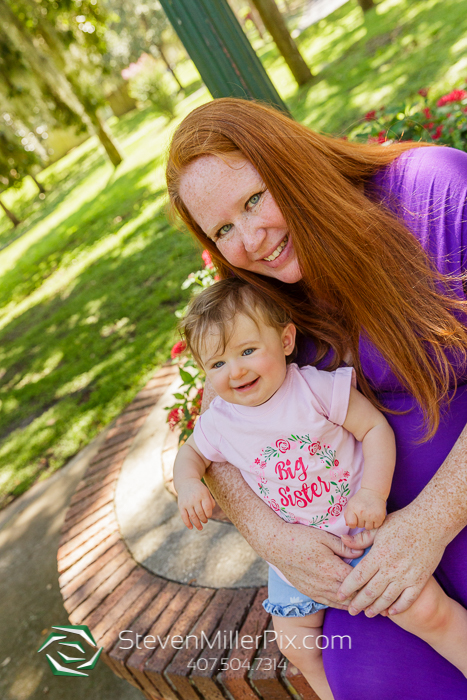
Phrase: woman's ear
(288, 338)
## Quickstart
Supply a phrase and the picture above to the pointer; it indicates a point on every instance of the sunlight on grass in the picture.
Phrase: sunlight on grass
(91, 278)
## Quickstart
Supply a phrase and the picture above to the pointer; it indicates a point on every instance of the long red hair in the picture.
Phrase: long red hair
(362, 270)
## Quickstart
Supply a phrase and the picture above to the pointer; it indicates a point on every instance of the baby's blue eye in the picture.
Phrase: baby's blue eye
(218, 364)
(249, 351)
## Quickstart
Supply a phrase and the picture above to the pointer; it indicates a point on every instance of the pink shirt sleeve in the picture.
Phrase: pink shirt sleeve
(331, 391)
(207, 437)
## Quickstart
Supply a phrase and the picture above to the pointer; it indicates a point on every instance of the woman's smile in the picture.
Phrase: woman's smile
(230, 202)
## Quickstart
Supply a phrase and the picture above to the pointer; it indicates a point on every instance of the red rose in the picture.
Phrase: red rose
(335, 509)
(174, 417)
(454, 96)
(423, 92)
(343, 501)
(346, 474)
(282, 445)
(274, 505)
(314, 447)
(438, 132)
(371, 115)
(177, 349)
(206, 255)
(190, 425)
(336, 462)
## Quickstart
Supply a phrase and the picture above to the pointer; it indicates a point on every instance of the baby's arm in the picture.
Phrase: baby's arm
(195, 502)
(367, 508)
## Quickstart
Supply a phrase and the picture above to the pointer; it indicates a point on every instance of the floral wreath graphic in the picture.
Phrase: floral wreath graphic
(327, 455)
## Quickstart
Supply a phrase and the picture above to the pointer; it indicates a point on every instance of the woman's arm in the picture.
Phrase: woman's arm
(306, 556)
(409, 545)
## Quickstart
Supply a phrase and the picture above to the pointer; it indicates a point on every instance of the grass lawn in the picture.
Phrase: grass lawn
(91, 278)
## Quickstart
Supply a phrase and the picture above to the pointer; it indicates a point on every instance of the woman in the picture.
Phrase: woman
(356, 241)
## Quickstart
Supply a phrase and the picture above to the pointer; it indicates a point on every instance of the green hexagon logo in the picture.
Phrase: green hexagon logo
(70, 649)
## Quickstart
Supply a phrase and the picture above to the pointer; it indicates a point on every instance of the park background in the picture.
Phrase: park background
(91, 265)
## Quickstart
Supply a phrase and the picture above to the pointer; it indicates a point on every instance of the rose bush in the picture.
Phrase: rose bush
(440, 121)
(183, 413)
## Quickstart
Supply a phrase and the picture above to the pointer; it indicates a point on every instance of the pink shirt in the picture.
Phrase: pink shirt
(292, 450)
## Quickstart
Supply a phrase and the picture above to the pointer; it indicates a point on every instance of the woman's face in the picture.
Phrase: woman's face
(229, 201)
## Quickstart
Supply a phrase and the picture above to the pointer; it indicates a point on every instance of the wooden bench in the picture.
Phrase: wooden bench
(104, 588)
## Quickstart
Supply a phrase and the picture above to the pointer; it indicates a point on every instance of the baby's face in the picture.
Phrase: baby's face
(253, 365)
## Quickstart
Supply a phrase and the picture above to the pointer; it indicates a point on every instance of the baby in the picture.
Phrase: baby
(308, 443)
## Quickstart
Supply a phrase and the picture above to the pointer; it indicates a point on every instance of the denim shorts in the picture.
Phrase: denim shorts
(285, 601)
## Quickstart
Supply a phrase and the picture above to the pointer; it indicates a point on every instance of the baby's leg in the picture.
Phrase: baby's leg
(296, 638)
(439, 621)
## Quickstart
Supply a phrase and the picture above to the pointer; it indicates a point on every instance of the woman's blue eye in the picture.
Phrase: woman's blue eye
(255, 199)
(224, 229)
(248, 351)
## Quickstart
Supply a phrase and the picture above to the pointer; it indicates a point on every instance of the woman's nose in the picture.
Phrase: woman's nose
(253, 236)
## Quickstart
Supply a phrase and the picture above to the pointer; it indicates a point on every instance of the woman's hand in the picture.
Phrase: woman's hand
(392, 575)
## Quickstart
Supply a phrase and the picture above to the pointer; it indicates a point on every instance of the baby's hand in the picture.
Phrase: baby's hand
(195, 503)
(366, 509)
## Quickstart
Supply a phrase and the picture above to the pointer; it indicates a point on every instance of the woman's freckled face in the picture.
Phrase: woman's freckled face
(229, 201)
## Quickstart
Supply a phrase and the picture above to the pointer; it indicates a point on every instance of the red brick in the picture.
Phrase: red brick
(104, 572)
(178, 670)
(124, 603)
(86, 535)
(145, 621)
(156, 664)
(94, 488)
(99, 478)
(80, 615)
(71, 531)
(92, 503)
(130, 416)
(92, 556)
(203, 678)
(240, 659)
(109, 557)
(104, 466)
(299, 683)
(106, 452)
(93, 542)
(265, 676)
(109, 639)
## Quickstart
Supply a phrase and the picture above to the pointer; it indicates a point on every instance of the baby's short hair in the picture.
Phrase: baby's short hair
(217, 306)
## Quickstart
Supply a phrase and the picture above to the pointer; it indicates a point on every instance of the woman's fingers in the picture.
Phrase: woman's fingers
(361, 540)
(405, 600)
(339, 547)
(356, 580)
(387, 597)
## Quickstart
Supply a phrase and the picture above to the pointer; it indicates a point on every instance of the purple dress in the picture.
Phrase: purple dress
(429, 188)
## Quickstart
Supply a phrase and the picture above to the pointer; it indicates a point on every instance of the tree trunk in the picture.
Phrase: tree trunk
(169, 67)
(52, 74)
(276, 26)
(10, 215)
(255, 17)
(41, 189)
(366, 4)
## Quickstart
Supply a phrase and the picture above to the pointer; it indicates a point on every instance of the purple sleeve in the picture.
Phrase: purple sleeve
(428, 188)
